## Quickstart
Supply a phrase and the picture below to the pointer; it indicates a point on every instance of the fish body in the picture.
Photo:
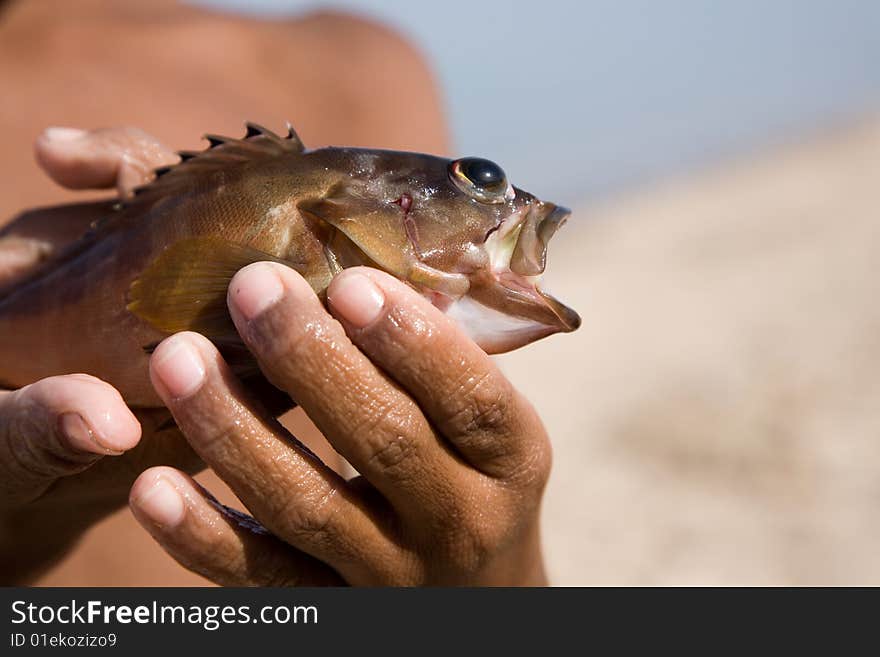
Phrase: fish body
(160, 262)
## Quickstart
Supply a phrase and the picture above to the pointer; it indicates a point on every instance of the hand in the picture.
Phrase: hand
(120, 158)
(453, 459)
(69, 446)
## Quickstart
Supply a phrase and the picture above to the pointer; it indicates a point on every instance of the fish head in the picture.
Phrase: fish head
(457, 231)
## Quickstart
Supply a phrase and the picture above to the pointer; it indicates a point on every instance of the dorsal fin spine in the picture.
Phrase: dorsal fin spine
(294, 139)
(256, 130)
(234, 151)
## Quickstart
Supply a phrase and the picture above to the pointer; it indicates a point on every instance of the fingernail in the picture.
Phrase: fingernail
(356, 298)
(179, 367)
(254, 289)
(79, 435)
(162, 504)
(58, 134)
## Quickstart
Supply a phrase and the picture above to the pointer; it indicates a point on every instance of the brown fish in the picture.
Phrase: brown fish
(160, 262)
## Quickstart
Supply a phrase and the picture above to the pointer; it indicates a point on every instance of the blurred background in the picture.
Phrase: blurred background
(716, 420)
(582, 98)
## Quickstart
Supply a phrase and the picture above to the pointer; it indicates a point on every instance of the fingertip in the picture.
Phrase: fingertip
(177, 366)
(114, 425)
(54, 136)
(256, 288)
(122, 156)
(89, 414)
(157, 498)
(70, 157)
(58, 134)
(379, 277)
(355, 297)
(293, 282)
(391, 287)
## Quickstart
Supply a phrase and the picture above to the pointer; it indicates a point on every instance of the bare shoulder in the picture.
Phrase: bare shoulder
(343, 34)
(372, 79)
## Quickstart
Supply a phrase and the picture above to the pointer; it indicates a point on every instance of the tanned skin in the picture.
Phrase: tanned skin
(176, 72)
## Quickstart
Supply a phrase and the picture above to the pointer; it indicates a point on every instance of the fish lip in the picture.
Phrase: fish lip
(536, 229)
(569, 319)
(529, 260)
(531, 302)
(556, 217)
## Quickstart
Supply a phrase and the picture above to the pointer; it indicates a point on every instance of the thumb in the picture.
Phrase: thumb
(57, 427)
(109, 157)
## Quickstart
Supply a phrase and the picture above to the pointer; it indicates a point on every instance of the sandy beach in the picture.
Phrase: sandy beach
(716, 419)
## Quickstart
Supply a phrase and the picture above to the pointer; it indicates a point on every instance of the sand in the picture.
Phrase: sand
(717, 418)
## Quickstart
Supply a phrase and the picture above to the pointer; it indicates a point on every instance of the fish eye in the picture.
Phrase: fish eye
(480, 178)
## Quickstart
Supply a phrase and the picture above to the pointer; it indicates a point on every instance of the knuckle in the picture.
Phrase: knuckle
(310, 522)
(391, 454)
(388, 435)
(474, 543)
(484, 405)
(34, 444)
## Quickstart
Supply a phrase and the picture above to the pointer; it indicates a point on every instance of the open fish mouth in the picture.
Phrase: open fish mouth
(500, 306)
(505, 307)
(529, 261)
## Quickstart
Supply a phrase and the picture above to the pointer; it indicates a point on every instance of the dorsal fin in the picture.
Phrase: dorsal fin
(293, 138)
(216, 140)
(222, 152)
(256, 130)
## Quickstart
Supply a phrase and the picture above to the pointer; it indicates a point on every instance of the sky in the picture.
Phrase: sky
(580, 99)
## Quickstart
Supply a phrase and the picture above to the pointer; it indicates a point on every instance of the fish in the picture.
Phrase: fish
(160, 262)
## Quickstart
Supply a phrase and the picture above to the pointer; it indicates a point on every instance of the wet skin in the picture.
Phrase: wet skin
(58, 480)
(450, 454)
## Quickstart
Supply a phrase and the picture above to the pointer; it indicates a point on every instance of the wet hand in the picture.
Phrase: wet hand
(453, 460)
(69, 446)
(119, 158)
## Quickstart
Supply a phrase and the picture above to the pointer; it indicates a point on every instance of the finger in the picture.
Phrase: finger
(110, 157)
(370, 421)
(454, 382)
(219, 543)
(285, 487)
(59, 426)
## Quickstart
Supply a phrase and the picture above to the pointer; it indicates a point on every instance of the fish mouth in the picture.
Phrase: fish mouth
(524, 298)
(509, 312)
(505, 307)
(529, 260)
(529, 256)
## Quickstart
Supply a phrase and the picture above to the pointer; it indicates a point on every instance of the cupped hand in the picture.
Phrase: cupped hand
(453, 460)
(69, 446)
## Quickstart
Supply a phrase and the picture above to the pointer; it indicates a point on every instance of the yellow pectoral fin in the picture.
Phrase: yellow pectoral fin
(184, 289)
